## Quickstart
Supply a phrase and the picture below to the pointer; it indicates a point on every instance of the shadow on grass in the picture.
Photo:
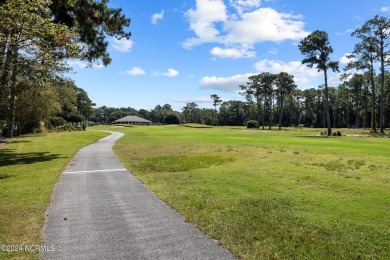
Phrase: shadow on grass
(316, 136)
(4, 176)
(10, 157)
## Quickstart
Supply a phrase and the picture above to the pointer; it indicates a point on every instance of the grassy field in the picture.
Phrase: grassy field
(271, 194)
(29, 169)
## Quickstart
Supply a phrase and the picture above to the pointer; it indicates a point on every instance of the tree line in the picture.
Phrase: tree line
(37, 38)
(349, 106)
(361, 101)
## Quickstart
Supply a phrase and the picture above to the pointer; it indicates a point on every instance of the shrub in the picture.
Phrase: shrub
(336, 133)
(84, 125)
(171, 119)
(252, 124)
(55, 122)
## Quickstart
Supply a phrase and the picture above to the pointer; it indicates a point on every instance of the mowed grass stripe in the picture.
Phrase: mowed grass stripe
(270, 194)
(30, 167)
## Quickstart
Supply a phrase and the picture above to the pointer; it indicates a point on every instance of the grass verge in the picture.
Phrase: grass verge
(30, 167)
(271, 194)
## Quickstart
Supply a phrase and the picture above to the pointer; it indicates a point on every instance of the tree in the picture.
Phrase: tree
(192, 113)
(32, 47)
(172, 118)
(377, 32)
(267, 82)
(285, 84)
(216, 101)
(363, 58)
(355, 85)
(316, 48)
(93, 21)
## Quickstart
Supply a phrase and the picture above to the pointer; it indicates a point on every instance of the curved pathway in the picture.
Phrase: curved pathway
(101, 211)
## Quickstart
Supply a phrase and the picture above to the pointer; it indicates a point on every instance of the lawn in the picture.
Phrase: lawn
(270, 194)
(30, 167)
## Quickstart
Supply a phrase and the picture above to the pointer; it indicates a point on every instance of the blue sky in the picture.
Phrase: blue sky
(186, 50)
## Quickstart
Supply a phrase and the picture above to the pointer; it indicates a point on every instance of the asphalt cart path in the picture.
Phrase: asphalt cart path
(101, 211)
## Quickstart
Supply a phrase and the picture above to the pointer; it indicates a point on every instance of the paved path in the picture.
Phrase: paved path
(101, 211)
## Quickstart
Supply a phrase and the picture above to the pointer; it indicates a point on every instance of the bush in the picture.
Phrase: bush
(252, 124)
(84, 125)
(55, 122)
(172, 119)
(336, 133)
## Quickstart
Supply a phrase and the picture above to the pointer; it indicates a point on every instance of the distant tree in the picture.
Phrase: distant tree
(172, 118)
(376, 31)
(192, 113)
(285, 86)
(216, 101)
(363, 58)
(253, 89)
(316, 48)
(267, 84)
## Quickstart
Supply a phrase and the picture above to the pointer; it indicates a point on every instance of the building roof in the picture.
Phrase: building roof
(135, 119)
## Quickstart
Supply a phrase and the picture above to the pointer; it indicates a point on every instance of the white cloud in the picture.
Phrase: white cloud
(135, 71)
(122, 45)
(264, 24)
(84, 65)
(385, 9)
(244, 27)
(345, 60)
(189, 100)
(228, 84)
(157, 17)
(303, 76)
(232, 53)
(170, 73)
(243, 5)
(202, 21)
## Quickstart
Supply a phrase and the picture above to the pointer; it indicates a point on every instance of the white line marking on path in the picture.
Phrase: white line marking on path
(108, 170)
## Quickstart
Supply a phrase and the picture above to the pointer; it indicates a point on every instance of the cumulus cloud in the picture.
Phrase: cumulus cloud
(243, 5)
(232, 53)
(245, 25)
(84, 65)
(385, 9)
(170, 73)
(135, 71)
(157, 17)
(264, 24)
(227, 84)
(202, 21)
(345, 60)
(303, 76)
(123, 45)
(189, 100)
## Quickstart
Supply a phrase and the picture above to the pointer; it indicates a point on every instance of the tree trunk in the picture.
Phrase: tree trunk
(373, 117)
(328, 123)
(381, 115)
(281, 112)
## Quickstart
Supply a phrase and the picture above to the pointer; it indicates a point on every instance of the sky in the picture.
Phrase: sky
(184, 51)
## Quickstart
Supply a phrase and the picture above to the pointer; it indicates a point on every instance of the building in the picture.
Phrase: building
(132, 120)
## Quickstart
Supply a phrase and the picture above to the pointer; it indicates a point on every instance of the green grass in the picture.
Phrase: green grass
(30, 167)
(271, 194)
